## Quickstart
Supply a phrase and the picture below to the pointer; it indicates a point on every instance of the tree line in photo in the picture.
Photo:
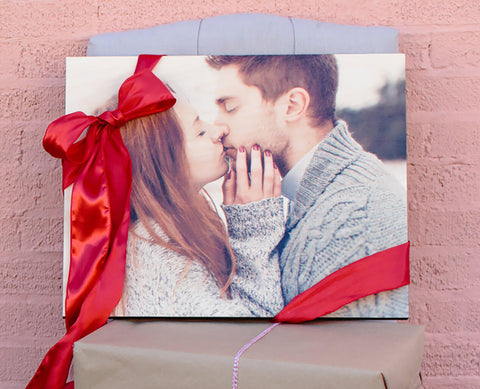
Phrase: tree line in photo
(381, 128)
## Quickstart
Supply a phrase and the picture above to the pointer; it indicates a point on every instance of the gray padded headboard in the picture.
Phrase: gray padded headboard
(246, 34)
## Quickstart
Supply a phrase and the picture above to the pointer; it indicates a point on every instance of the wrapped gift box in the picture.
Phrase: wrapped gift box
(199, 354)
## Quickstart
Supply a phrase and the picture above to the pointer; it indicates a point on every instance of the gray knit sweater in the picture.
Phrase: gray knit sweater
(347, 207)
(161, 282)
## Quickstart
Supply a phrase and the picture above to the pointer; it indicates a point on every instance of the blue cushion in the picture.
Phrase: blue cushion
(246, 34)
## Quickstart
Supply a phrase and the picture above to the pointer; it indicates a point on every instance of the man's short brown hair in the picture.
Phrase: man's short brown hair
(275, 75)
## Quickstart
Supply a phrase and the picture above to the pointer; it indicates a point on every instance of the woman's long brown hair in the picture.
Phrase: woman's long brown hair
(163, 193)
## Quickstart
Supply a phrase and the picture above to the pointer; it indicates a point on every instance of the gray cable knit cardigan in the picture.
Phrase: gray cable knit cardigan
(161, 282)
(347, 207)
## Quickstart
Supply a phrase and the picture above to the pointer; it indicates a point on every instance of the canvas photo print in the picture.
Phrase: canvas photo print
(268, 175)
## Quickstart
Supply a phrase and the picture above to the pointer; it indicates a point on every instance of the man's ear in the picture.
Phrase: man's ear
(298, 101)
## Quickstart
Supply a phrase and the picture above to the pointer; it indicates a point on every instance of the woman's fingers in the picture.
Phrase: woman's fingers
(277, 181)
(268, 175)
(229, 188)
(256, 172)
(264, 180)
(243, 184)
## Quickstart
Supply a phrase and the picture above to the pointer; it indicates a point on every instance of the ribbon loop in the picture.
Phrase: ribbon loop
(62, 133)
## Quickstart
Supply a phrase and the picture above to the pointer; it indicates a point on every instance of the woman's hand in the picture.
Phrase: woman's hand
(240, 187)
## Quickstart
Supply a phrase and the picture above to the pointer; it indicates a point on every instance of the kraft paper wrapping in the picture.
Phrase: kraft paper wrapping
(199, 354)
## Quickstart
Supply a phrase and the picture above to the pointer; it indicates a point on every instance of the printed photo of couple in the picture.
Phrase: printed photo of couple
(268, 174)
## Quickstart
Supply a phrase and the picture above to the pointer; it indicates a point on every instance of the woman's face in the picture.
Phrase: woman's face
(203, 146)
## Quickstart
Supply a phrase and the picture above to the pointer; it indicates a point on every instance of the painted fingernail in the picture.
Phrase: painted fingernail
(256, 147)
(241, 149)
(275, 166)
(268, 153)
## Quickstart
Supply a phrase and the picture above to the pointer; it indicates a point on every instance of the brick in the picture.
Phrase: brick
(443, 382)
(403, 13)
(14, 384)
(47, 60)
(450, 140)
(297, 9)
(455, 140)
(456, 312)
(436, 12)
(9, 236)
(427, 92)
(29, 191)
(451, 355)
(35, 103)
(153, 13)
(10, 145)
(48, 193)
(38, 317)
(444, 228)
(446, 312)
(444, 186)
(14, 201)
(47, 19)
(443, 269)
(31, 273)
(417, 310)
(41, 234)
(416, 48)
(418, 141)
(385, 13)
(34, 156)
(456, 50)
(9, 55)
(20, 362)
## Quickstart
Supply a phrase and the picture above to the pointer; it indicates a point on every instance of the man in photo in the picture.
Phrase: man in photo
(344, 205)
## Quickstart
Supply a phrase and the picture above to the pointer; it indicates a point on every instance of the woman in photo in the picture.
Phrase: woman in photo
(180, 258)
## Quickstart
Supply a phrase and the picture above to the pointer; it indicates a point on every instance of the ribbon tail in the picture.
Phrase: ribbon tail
(91, 226)
(53, 371)
(97, 307)
(386, 270)
(147, 61)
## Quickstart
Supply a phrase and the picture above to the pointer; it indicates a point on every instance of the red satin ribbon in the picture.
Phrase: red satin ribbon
(147, 61)
(386, 270)
(99, 168)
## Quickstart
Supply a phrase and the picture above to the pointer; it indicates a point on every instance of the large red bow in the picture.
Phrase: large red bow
(99, 168)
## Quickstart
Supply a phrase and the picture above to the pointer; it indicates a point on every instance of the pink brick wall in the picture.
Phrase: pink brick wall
(442, 41)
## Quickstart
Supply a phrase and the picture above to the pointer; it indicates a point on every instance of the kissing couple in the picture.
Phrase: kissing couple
(336, 203)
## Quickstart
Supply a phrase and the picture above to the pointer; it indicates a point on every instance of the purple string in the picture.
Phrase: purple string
(236, 360)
